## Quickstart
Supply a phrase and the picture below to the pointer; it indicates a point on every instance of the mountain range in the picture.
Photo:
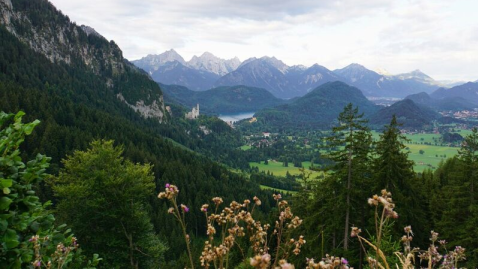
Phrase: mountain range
(467, 91)
(449, 103)
(283, 81)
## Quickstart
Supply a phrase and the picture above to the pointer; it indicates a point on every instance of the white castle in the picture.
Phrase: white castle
(194, 114)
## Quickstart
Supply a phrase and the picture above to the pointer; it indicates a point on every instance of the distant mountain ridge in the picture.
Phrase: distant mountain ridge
(467, 91)
(452, 103)
(208, 71)
(379, 85)
(199, 74)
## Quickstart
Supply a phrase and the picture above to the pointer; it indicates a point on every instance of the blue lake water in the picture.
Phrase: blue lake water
(236, 117)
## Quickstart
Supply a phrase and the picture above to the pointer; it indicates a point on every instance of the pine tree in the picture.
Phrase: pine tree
(351, 162)
(394, 171)
(392, 167)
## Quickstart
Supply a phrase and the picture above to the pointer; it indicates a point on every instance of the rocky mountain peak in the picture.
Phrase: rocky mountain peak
(210, 63)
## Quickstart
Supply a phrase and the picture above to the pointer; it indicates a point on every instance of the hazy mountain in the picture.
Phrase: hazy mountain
(282, 80)
(379, 85)
(152, 63)
(319, 108)
(198, 74)
(313, 77)
(366, 80)
(222, 100)
(453, 103)
(179, 74)
(418, 76)
(467, 91)
(278, 78)
(267, 73)
(407, 112)
(210, 63)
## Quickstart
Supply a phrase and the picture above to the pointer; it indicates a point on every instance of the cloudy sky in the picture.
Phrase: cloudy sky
(439, 37)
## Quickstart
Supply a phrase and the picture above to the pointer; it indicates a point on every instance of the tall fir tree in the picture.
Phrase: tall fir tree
(394, 171)
(351, 162)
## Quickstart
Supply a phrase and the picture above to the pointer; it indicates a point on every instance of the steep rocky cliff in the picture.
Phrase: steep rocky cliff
(46, 30)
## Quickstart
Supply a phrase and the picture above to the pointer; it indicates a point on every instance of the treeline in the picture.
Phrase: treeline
(443, 201)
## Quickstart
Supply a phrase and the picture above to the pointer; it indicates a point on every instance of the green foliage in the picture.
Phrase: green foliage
(222, 100)
(455, 182)
(111, 193)
(22, 215)
(409, 114)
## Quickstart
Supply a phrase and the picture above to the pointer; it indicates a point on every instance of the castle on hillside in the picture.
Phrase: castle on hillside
(194, 114)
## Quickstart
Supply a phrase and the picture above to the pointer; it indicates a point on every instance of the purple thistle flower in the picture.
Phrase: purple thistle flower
(185, 208)
(344, 261)
(38, 264)
(167, 185)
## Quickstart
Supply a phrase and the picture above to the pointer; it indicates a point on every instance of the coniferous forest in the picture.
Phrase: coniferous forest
(98, 171)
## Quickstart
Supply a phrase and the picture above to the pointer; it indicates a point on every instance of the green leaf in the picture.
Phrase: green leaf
(5, 203)
(11, 238)
(3, 225)
(5, 183)
(28, 128)
(6, 190)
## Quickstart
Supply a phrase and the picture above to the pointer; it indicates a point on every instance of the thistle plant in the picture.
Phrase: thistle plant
(62, 257)
(407, 258)
(226, 225)
(170, 193)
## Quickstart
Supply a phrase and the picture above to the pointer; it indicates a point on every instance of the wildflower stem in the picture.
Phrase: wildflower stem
(183, 226)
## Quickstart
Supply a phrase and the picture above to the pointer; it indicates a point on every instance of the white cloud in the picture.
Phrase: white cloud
(437, 36)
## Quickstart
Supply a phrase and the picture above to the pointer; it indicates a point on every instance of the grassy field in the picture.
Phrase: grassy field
(277, 169)
(246, 147)
(429, 157)
(432, 154)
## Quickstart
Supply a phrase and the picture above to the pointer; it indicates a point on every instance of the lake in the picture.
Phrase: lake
(236, 117)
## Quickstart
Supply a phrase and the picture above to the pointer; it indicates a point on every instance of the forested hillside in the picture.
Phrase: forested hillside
(76, 105)
(316, 110)
(222, 100)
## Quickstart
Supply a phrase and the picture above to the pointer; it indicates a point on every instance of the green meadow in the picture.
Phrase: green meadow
(277, 169)
(432, 155)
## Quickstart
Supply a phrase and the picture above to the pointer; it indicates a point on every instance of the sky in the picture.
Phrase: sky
(439, 37)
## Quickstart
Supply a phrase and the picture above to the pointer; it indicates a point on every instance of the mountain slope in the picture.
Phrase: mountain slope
(468, 91)
(152, 63)
(266, 73)
(407, 112)
(222, 100)
(317, 109)
(377, 85)
(77, 53)
(278, 78)
(176, 73)
(453, 103)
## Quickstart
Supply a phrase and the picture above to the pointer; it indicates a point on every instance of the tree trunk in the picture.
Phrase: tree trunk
(347, 212)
